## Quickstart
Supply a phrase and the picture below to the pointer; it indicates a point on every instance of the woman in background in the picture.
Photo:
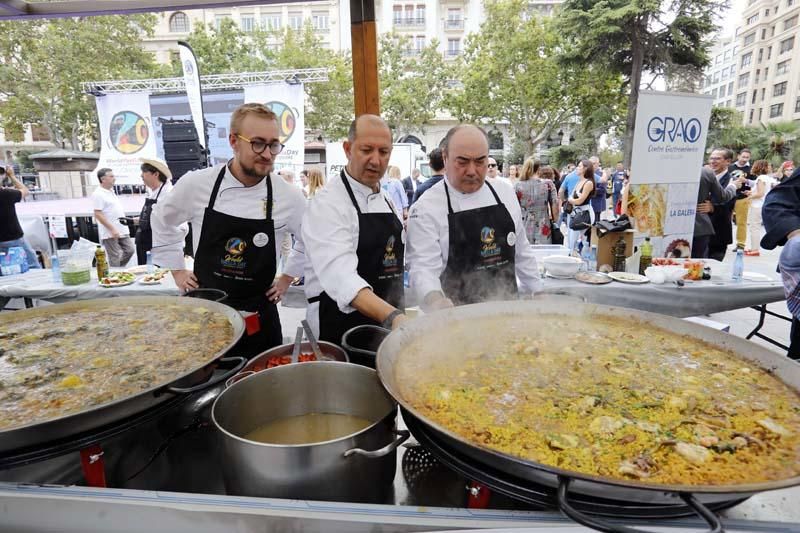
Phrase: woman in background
(537, 199)
(764, 183)
(315, 181)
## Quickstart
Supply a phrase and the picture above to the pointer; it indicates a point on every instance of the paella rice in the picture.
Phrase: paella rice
(607, 398)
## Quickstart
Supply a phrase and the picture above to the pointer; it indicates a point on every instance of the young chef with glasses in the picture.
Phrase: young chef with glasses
(239, 214)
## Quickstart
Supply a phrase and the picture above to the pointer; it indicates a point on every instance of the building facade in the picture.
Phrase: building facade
(720, 75)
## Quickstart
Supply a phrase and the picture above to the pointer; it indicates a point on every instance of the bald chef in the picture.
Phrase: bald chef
(239, 215)
(466, 241)
(354, 240)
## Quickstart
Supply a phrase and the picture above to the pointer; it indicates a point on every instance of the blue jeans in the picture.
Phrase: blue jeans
(33, 261)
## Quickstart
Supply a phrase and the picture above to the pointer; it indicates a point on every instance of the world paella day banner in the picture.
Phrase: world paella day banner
(668, 154)
(286, 100)
(126, 134)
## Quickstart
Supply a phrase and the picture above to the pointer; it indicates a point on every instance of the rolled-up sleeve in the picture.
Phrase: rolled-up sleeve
(424, 252)
(168, 224)
(328, 239)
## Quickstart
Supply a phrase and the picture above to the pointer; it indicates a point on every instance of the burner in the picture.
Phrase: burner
(543, 496)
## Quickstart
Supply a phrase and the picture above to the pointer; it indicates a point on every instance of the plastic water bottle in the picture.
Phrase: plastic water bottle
(738, 265)
(150, 268)
(56, 268)
(592, 259)
(586, 255)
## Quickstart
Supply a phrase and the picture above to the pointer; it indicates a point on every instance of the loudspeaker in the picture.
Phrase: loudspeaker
(182, 150)
(178, 131)
(179, 168)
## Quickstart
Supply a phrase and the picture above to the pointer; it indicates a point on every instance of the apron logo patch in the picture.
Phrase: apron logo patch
(511, 239)
(390, 258)
(260, 239)
(235, 256)
(489, 248)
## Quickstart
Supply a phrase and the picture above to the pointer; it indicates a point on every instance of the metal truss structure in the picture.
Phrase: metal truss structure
(214, 82)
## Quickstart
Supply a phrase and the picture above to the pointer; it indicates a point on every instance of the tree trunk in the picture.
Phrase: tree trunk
(637, 62)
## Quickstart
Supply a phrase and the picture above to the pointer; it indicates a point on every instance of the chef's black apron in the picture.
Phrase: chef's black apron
(380, 262)
(480, 258)
(144, 235)
(237, 255)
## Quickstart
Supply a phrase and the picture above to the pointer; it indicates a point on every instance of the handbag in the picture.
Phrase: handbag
(556, 237)
(580, 220)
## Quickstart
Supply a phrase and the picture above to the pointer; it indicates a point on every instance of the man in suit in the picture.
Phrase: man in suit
(410, 184)
(709, 193)
(722, 214)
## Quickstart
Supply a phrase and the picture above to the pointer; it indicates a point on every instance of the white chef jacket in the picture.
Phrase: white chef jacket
(330, 236)
(187, 202)
(108, 202)
(428, 242)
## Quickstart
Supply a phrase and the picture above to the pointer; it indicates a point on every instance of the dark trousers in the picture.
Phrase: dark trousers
(268, 337)
(794, 340)
(700, 246)
(716, 251)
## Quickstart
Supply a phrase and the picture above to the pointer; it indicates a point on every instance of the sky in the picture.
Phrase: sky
(732, 18)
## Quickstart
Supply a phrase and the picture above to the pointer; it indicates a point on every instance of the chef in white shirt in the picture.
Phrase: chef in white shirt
(354, 240)
(239, 213)
(466, 241)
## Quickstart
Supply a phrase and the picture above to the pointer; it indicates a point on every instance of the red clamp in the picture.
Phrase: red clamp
(477, 496)
(251, 322)
(93, 466)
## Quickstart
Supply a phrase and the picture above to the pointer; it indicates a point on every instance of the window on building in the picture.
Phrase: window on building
(723, 74)
(790, 22)
(271, 21)
(716, 77)
(747, 58)
(758, 76)
(455, 18)
(789, 3)
(783, 67)
(766, 12)
(779, 89)
(763, 34)
(295, 20)
(755, 96)
(797, 106)
(419, 43)
(218, 20)
(766, 73)
(397, 15)
(733, 69)
(744, 79)
(409, 15)
(763, 93)
(760, 54)
(760, 110)
(727, 103)
(714, 92)
(247, 22)
(727, 55)
(741, 98)
(320, 20)
(718, 59)
(775, 110)
(752, 20)
(179, 23)
(772, 32)
(453, 47)
(749, 39)
(786, 45)
(769, 53)
(751, 117)
(420, 14)
(730, 88)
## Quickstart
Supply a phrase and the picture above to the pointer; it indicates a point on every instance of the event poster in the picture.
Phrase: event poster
(286, 100)
(191, 79)
(126, 134)
(668, 154)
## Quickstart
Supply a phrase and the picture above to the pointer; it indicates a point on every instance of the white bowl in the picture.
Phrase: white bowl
(665, 273)
(562, 266)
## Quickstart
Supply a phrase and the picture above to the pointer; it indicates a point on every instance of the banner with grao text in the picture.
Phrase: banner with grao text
(126, 135)
(668, 154)
(286, 100)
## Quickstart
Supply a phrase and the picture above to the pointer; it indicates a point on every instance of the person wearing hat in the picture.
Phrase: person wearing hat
(157, 177)
(781, 216)
(11, 234)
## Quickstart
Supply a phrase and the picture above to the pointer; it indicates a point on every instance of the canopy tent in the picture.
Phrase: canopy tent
(362, 29)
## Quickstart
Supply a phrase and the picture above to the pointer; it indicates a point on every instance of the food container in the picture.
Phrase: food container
(541, 251)
(76, 266)
(72, 275)
(265, 360)
(356, 468)
(665, 273)
(562, 266)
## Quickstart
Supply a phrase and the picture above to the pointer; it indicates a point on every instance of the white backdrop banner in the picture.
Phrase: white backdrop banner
(668, 152)
(191, 78)
(287, 102)
(126, 134)
(335, 160)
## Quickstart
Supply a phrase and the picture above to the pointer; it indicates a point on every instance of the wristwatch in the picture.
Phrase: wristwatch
(387, 322)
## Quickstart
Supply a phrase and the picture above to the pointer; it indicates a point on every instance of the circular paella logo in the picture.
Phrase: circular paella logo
(235, 246)
(286, 119)
(487, 235)
(128, 132)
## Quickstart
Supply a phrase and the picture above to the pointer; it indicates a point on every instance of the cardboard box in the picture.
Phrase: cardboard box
(605, 245)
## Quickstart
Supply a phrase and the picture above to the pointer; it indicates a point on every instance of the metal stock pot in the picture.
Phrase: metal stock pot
(359, 467)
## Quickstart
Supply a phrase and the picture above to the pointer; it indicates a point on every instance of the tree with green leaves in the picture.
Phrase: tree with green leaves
(514, 76)
(413, 81)
(224, 49)
(43, 64)
(631, 37)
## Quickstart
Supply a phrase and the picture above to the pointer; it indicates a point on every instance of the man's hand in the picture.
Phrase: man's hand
(705, 207)
(115, 235)
(740, 181)
(398, 320)
(435, 301)
(279, 288)
(185, 280)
